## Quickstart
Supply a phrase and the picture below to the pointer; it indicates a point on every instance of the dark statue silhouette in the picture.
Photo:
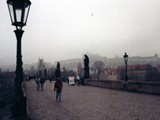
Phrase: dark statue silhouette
(58, 72)
(86, 67)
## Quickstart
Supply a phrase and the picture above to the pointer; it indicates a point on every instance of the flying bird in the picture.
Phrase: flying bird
(92, 14)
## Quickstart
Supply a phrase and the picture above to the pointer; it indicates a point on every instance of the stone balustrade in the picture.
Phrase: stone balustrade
(144, 87)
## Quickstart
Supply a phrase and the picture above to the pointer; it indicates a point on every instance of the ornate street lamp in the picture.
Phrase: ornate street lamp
(19, 10)
(125, 56)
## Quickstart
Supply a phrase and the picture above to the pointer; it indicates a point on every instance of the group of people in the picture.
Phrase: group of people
(57, 87)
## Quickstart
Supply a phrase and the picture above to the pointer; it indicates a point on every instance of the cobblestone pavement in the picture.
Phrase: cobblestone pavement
(90, 103)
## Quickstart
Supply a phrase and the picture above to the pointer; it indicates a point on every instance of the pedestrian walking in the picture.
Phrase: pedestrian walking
(38, 83)
(78, 80)
(58, 88)
(42, 81)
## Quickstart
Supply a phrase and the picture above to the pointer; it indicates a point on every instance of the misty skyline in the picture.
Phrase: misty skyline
(65, 29)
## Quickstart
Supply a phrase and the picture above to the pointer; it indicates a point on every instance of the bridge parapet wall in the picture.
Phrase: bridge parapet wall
(144, 87)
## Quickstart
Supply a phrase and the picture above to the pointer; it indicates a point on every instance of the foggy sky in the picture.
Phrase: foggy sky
(64, 29)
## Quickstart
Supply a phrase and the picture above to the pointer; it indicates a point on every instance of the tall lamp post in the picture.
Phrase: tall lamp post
(19, 10)
(125, 56)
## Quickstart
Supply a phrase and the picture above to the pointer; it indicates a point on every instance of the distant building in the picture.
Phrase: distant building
(139, 72)
(93, 73)
(119, 61)
(113, 73)
(145, 72)
(108, 73)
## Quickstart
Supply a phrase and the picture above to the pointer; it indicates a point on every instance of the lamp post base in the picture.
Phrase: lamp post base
(19, 107)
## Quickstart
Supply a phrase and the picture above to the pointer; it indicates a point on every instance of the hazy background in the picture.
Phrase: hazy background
(64, 29)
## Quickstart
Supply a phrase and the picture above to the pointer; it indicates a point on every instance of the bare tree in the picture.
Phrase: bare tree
(79, 69)
(99, 65)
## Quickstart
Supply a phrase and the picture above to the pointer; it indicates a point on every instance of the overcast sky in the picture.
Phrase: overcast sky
(64, 29)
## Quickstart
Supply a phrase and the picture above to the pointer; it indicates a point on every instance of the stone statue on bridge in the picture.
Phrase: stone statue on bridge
(86, 67)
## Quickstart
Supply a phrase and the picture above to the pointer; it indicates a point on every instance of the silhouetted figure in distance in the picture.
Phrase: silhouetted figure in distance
(42, 81)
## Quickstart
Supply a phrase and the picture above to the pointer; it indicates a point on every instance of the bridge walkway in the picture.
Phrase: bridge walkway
(90, 103)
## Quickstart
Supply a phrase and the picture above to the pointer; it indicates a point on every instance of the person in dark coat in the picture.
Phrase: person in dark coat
(42, 81)
(58, 88)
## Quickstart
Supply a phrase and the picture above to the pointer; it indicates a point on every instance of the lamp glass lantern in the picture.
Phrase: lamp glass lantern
(18, 10)
(125, 56)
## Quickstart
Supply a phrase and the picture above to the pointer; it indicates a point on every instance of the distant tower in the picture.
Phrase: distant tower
(156, 55)
(41, 67)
